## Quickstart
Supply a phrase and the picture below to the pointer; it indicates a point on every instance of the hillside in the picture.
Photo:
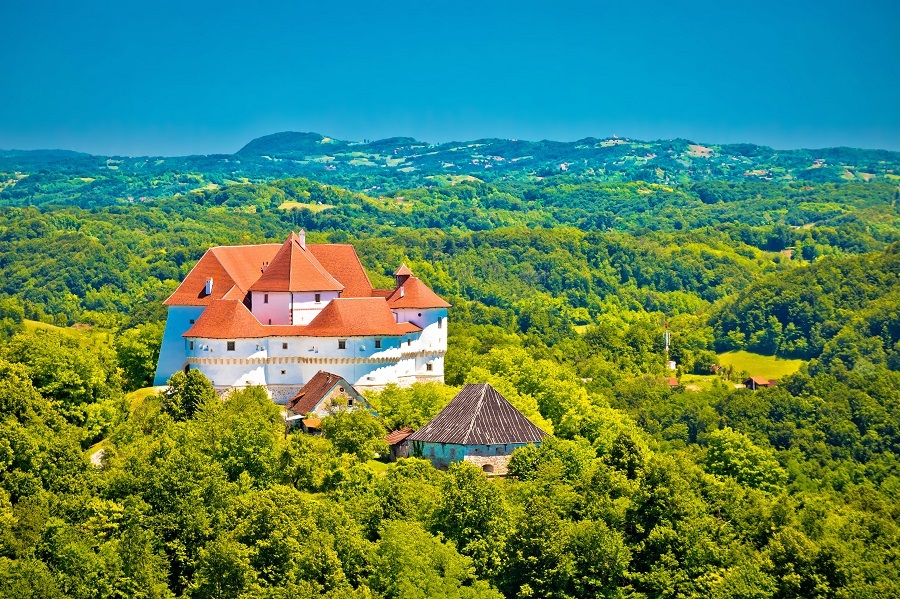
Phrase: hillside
(59, 177)
(561, 286)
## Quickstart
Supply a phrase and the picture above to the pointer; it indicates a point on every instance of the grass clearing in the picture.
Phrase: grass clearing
(698, 382)
(136, 398)
(311, 206)
(85, 334)
(378, 467)
(770, 367)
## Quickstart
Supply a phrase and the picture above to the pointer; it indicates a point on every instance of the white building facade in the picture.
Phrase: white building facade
(276, 315)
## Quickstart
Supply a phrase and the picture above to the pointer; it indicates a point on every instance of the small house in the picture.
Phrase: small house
(479, 426)
(758, 382)
(398, 442)
(324, 394)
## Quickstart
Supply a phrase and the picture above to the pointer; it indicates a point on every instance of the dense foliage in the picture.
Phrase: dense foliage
(560, 290)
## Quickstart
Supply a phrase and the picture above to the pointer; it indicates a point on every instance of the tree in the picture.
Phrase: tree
(138, 350)
(356, 432)
(474, 515)
(409, 563)
(185, 393)
(731, 453)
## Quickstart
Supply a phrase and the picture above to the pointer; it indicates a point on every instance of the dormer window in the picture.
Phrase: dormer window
(318, 298)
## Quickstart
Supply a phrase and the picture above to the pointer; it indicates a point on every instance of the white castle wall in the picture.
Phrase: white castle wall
(172, 356)
(289, 362)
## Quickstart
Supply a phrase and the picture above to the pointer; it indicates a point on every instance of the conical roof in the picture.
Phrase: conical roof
(403, 271)
(479, 415)
(413, 293)
(294, 268)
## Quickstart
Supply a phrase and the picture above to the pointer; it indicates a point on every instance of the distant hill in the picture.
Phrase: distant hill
(402, 162)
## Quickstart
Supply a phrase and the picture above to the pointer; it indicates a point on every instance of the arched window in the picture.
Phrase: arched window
(488, 469)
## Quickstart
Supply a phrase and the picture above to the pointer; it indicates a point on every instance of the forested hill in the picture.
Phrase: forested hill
(387, 165)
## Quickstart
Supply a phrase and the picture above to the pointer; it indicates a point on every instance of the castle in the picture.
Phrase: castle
(275, 315)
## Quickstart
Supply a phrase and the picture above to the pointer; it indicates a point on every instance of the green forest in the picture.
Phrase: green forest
(561, 284)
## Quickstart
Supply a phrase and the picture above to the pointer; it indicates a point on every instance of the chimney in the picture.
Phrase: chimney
(302, 236)
(402, 292)
(209, 284)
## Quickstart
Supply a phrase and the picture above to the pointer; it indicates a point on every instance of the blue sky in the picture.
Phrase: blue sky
(173, 78)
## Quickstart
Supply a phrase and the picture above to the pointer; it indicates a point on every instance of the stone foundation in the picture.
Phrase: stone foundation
(491, 465)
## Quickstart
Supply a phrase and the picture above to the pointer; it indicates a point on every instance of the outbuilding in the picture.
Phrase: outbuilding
(479, 426)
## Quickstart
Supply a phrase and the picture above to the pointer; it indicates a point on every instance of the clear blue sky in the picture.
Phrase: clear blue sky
(178, 77)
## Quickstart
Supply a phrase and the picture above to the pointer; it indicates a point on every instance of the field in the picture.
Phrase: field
(86, 335)
(311, 206)
(769, 367)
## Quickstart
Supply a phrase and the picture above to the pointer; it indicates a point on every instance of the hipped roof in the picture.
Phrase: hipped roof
(295, 268)
(236, 269)
(479, 415)
(413, 293)
(350, 317)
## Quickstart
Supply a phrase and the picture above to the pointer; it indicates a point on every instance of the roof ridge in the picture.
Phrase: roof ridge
(316, 264)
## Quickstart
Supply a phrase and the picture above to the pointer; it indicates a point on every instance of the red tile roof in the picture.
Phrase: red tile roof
(760, 380)
(413, 293)
(403, 271)
(357, 317)
(342, 317)
(343, 263)
(227, 319)
(295, 268)
(314, 391)
(232, 269)
(395, 437)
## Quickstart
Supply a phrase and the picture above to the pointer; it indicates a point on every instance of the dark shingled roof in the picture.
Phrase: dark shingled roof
(479, 415)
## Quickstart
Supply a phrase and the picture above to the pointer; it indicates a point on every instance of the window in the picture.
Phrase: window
(441, 322)
(429, 366)
(342, 389)
(408, 342)
(283, 372)
(265, 298)
(192, 321)
(190, 345)
(230, 346)
(270, 321)
(342, 344)
(378, 344)
(284, 345)
(350, 402)
(318, 298)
